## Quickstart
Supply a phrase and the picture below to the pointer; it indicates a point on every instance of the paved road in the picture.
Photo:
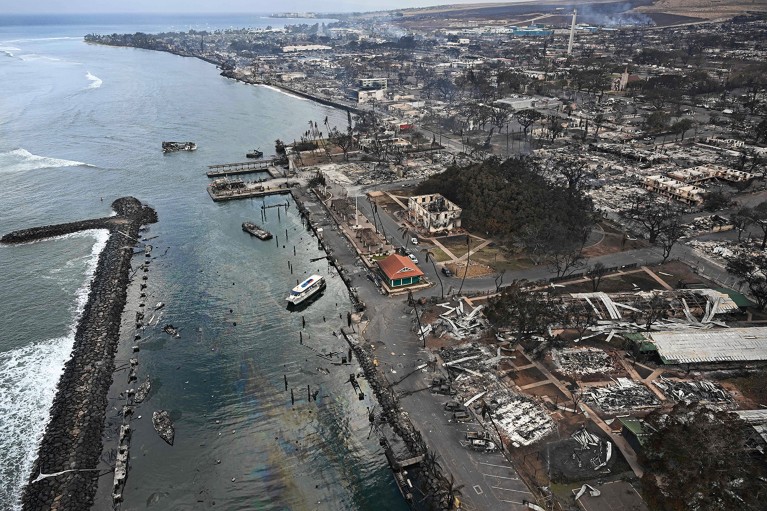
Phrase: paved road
(643, 256)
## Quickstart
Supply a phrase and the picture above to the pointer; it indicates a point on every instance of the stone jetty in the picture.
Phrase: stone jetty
(71, 446)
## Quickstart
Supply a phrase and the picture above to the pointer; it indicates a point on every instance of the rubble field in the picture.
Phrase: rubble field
(581, 361)
(520, 418)
(694, 391)
(623, 395)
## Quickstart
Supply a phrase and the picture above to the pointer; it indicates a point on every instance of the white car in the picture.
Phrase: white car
(413, 258)
(414, 241)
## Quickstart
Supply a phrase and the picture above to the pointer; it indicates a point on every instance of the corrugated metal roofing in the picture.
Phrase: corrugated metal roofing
(726, 345)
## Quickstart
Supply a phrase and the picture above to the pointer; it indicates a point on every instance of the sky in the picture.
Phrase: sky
(212, 6)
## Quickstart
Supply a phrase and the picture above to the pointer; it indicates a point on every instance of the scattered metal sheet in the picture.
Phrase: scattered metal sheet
(688, 391)
(625, 394)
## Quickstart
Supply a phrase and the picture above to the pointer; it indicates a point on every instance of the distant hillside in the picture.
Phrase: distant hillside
(604, 12)
(709, 9)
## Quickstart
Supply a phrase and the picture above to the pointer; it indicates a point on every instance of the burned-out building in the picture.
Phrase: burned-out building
(434, 213)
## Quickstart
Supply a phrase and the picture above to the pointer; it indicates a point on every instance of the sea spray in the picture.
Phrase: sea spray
(28, 379)
(21, 160)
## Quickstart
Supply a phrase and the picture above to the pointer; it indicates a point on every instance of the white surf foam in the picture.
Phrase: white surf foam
(95, 80)
(29, 40)
(283, 92)
(21, 160)
(9, 50)
(28, 380)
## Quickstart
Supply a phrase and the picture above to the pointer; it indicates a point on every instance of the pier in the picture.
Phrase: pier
(225, 190)
(245, 167)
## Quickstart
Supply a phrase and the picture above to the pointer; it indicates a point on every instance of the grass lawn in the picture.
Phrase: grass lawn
(499, 259)
(456, 244)
(611, 242)
(439, 255)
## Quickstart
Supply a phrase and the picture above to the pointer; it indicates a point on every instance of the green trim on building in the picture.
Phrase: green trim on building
(407, 281)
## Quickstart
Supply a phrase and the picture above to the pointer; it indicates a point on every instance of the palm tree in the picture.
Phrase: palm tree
(451, 491)
(468, 257)
(405, 235)
(488, 412)
(411, 301)
(429, 253)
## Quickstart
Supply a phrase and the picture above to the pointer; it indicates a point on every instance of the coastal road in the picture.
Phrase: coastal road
(489, 481)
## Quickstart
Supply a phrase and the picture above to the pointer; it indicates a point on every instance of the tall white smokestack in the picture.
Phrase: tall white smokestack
(572, 34)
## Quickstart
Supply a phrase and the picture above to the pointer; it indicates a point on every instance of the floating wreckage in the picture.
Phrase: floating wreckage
(172, 147)
(257, 231)
(164, 426)
(143, 391)
(171, 330)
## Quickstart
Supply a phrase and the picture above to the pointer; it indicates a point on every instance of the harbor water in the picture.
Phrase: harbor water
(81, 125)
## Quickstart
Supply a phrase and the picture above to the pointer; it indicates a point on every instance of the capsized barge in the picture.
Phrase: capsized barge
(172, 147)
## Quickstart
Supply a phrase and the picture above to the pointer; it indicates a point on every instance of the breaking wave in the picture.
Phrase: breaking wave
(8, 51)
(95, 80)
(21, 160)
(28, 379)
(283, 92)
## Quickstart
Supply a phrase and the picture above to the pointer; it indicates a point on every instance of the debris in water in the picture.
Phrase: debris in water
(143, 391)
(163, 425)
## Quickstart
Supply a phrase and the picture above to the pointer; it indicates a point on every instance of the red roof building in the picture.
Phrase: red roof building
(399, 271)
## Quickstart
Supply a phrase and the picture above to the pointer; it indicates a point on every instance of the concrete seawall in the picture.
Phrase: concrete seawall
(72, 441)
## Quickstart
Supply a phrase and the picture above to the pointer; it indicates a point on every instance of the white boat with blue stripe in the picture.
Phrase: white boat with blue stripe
(305, 289)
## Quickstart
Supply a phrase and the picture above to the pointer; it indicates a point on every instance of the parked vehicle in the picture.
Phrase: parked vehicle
(452, 406)
(446, 271)
(461, 416)
(474, 435)
(413, 258)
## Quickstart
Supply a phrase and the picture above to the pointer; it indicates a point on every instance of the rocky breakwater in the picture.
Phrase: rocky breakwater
(64, 475)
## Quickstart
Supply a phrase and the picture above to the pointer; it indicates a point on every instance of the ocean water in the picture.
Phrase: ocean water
(81, 125)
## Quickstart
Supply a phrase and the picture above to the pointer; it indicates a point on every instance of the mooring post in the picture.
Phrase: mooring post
(303, 321)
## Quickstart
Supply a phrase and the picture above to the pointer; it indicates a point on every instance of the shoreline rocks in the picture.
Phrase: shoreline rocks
(72, 439)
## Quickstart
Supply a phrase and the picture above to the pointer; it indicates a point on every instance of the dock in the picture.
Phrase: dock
(224, 190)
(245, 167)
